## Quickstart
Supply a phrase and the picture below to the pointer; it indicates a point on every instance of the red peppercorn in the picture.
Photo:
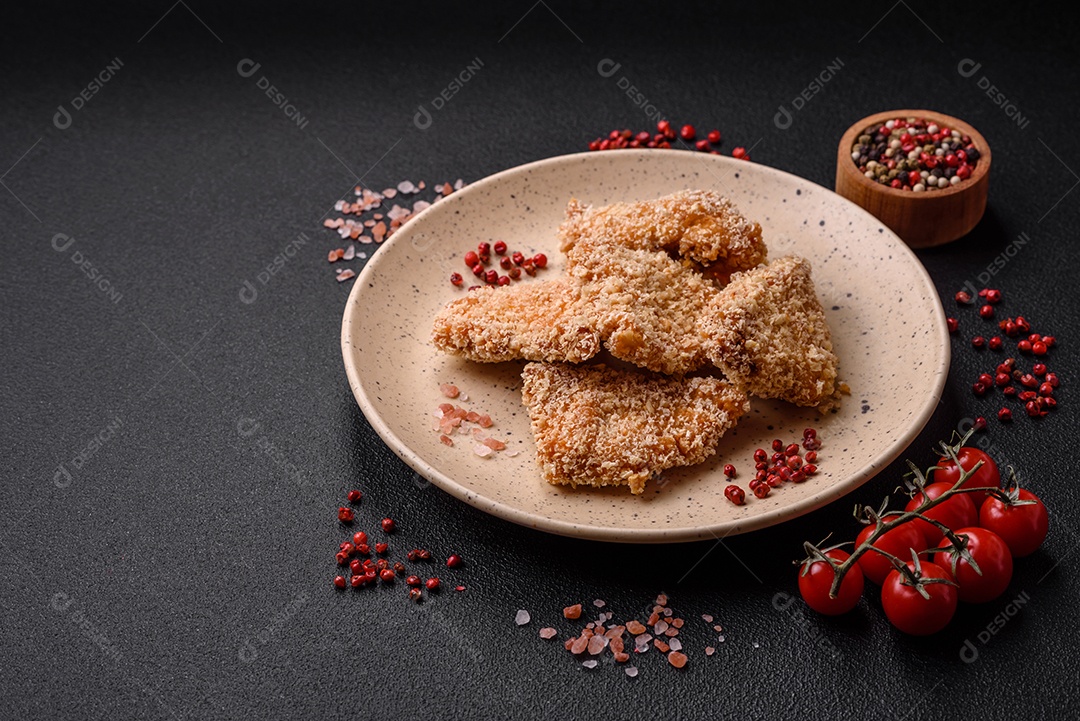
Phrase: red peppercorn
(1002, 379)
(503, 280)
(1004, 415)
(341, 557)
(356, 565)
(529, 267)
(415, 594)
(777, 445)
(381, 547)
(687, 133)
(471, 258)
(388, 525)
(382, 563)
(506, 263)
(729, 470)
(810, 457)
(1024, 346)
(979, 425)
(978, 389)
(1022, 324)
(354, 495)
(987, 311)
(540, 260)
(1033, 410)
(1049, 340)
(517, 257)
(794, 462)
(514, 273)
(663, 126)
(484, 248)
(1038, 348)
(1052, 379)
(499, 247)
(363, 549)
(456, 279)
(809, 469)
(425, 554)
(714, 137)
(1009, 391)
(491, 277)
(1010, 328)
(792, 449)
(812, 444)
(986, 379)
(994, 343)
(953, 324)
(386, 575)
(1039, 369)
(339, 582)
(702, 144)
(1048, 403)
(963, 297)
(735, 494)
(345, 515)
(1046, 389)
(432, 584)
(478, 270)
(978, 342)
(356, 581)
(454, 561)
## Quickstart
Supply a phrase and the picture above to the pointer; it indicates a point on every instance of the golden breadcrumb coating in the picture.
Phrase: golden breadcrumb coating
(647, 307)
(768, 334)
(535, 321)
(599, 426)
(698, 225)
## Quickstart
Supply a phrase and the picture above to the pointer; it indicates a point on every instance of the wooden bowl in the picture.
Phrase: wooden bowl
(923, 219)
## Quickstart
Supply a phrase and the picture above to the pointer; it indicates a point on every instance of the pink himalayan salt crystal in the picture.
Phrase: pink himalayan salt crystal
(675, 644)
(709, 650)
(445, 408)
(389, 192)
(420, 205)
(677, 659)
(406, 186)
(344, 275)
(513, 454)
(597, 644)
(707, 618)
(718, 628)
(484, 421)
(522, 617)
(547, 633)
(660, 627)
(481, 450)
(599, 603)
(450, 391)
(591, 663)
(494, 444)
(579, 645)
(631, 671)
(446, 440)
(350, 253)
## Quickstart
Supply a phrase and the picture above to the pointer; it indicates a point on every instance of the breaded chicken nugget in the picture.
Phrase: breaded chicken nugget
(532, 321)
(599, 426)
(647, 307)
(768, 334)
(698, 225)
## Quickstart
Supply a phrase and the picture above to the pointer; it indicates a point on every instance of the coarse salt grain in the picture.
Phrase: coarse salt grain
(709, 650)
(675, 644)
(707, 617)
(548, 633)
(446, 440)
(591, 663)
(450, 391)
(599, 603)
(481, 450)
(522, 617)
(344, 275)
(631, 671)
(718, 628)
(350, 253)
(494, 444)
(660, 627)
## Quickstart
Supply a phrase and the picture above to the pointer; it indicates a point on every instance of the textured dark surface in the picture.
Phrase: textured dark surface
(183, 571)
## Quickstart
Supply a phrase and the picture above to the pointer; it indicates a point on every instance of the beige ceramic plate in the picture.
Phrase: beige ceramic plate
(887, 322)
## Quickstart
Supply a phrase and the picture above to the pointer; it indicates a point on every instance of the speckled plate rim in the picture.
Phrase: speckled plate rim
(620, 535)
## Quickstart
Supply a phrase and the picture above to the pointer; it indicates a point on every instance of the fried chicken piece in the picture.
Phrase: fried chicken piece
(647, 307)
(698, 225)
(599, 426)
(768, 334)
(533, 321)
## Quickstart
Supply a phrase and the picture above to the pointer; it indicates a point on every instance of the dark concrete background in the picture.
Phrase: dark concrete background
(182, 570)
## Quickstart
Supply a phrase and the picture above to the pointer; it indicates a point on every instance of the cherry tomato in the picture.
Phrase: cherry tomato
(994, 559)
(909, 611)
(1023, 528)
(899, 542)
(956, 512)
(815, 582)
(986, 477)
